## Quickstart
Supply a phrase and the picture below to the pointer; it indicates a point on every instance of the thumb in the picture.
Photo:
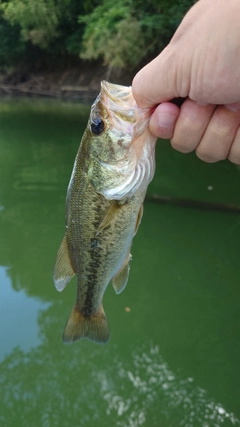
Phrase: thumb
(157, 81)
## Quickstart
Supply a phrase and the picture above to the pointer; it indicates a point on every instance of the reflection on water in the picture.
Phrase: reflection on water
(173, 358)
(56, 388)
(152, 387)
(23, 317)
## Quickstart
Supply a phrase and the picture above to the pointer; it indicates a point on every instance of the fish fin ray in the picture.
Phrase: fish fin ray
(63, 271)
(110, 213)
(95, 328)
(139, 219)
(119, 281)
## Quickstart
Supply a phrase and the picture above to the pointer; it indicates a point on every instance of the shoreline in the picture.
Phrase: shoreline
(82, 82)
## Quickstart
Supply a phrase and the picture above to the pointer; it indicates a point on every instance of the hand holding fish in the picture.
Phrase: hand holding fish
(201, 64)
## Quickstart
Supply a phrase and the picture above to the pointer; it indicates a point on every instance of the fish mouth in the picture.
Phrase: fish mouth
(118, 94)
(122, 107)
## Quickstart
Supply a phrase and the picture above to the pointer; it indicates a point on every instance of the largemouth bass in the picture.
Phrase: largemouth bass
(104, 206)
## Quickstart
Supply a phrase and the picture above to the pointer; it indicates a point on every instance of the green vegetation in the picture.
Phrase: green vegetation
(119, 34)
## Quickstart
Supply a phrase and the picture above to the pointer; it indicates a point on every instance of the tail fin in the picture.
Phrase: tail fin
(95, 327)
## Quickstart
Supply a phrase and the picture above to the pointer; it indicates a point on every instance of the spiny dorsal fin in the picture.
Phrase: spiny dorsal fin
(120, 280)
(63, 271)
(94, 328)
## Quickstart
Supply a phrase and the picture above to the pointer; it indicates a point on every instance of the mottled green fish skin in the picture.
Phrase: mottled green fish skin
(98, 237)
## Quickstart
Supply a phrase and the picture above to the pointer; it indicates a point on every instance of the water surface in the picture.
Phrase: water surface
(173, 356)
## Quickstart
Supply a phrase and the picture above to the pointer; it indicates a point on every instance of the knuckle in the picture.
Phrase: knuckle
(234, 158)
(209, 156)
(220, 131)
(181, 146)
(205, 158)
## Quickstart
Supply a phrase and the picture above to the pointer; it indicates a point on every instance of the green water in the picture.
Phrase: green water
(173, 356)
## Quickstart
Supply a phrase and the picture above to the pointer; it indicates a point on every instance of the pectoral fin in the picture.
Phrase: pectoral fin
(108, 217)
(63, 271)
(139, 219)
(120, 280)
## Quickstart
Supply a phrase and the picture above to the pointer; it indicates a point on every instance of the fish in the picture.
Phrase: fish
(104, 206)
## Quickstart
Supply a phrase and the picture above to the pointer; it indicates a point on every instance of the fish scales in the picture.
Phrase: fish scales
(113, 167)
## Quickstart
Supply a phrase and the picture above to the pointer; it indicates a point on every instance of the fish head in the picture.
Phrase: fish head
(121, 147)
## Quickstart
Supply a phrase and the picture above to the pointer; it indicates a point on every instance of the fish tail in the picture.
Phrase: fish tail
(94, 327)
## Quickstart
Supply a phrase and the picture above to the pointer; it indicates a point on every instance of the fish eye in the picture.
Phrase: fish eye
(97, 126)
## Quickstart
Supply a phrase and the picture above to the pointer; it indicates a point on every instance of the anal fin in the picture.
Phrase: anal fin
(63, 271)
(119, 281)
(94, 327)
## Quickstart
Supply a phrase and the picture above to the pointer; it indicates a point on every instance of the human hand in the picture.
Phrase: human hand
(201, 64)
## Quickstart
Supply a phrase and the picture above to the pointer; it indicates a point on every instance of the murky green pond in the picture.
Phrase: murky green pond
(173, 357)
